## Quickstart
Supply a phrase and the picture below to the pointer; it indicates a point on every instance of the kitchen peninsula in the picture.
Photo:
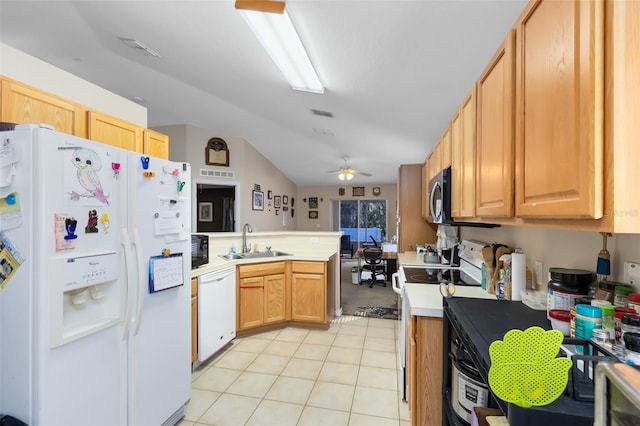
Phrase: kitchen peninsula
(299, 286)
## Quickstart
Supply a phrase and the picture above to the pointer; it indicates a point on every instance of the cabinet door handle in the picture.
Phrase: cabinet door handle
(251, 286)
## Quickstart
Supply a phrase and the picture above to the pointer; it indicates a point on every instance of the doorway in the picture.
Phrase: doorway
(361, 220)
(365, 221)
(215, 207)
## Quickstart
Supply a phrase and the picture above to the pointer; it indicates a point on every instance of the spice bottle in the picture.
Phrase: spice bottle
(633, 301)
(618, 312)
(630, 324)
(621, 295)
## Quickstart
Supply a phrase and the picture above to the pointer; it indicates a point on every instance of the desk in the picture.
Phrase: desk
(390, 259)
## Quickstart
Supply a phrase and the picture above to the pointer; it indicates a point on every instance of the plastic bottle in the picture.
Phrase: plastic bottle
(608, 322)
(587, 318)
(500, 290)
(233, 249)
(528, 279)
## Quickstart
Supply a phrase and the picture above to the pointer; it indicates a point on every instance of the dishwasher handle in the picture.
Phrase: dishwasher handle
(215, 277)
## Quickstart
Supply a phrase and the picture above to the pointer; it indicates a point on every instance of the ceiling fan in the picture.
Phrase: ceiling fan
(346, 172)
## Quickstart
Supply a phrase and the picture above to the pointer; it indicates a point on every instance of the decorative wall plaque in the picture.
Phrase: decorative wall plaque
(358, 191)
(376, 191)
(341, 191)
(216, 153)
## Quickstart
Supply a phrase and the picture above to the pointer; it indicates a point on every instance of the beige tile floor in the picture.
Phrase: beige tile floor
(347, 375)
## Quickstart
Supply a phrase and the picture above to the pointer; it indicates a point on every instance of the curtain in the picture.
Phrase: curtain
(227, 214)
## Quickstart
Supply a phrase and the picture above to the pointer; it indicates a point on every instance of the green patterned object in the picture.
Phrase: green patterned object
(524, 368)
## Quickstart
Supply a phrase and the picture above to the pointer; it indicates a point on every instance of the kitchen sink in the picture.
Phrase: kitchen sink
(254, 255)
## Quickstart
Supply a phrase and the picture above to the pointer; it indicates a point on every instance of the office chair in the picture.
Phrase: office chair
(345, 245)
(373, 262)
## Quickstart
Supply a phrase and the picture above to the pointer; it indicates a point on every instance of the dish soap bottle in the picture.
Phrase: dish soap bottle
(232, 250)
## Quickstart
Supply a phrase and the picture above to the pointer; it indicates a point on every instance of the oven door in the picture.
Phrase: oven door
(397, 284)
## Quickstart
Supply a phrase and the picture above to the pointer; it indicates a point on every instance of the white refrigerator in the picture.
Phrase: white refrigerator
(94, 282)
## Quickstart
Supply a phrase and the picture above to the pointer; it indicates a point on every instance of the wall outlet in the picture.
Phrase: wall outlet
(315, 239)
(632, 274)
(539, 274)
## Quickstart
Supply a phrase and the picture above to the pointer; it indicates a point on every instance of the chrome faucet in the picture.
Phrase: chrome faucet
(246, 228)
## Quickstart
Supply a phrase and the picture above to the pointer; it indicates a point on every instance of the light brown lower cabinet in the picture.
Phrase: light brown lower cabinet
(277, 292)
(194, 319)
(424, 370)
(261, 294)
(308, 291)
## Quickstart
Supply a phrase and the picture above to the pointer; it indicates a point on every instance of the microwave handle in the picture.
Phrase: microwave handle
(431, 199)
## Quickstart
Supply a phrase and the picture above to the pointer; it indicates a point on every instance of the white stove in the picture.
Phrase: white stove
(466, 269)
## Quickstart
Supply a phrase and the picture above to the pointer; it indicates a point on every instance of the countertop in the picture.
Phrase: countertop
(216, 263)
(425, 299)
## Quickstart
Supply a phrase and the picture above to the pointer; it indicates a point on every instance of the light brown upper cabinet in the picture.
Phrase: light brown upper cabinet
(445, 149)
(463, 146)
(559, 110)
(114, 131)
(23, 104)
(425, 190)
(434, 161)
(155, 144)
(495, 131)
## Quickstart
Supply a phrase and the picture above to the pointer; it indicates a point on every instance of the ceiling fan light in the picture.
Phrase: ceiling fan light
(349, 176)
(341, 176)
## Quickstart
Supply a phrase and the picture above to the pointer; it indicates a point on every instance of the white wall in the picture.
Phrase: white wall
(326, 194)
(562, 248)
(34, 72)
(188, 143)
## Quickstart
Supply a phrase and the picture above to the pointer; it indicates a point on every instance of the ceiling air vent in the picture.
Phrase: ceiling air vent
(322, 113)
(216, 173)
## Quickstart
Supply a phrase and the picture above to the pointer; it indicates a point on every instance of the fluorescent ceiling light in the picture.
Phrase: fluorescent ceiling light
(278, 36)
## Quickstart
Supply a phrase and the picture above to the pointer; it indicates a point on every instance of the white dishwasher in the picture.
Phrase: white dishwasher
(216, 311)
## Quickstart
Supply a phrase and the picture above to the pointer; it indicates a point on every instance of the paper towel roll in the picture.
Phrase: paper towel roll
(518, 275)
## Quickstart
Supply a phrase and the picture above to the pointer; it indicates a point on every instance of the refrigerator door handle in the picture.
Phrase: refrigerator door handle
(128, 260)
(140, 281)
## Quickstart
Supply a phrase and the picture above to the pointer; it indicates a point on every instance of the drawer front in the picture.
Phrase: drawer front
(308, 267)
(260, 269)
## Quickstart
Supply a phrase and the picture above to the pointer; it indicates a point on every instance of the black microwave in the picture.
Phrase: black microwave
(440, 197)
(199, 250)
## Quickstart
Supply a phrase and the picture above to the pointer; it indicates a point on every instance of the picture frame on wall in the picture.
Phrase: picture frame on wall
(313, 214)
(269, 194)
(276, 201)
(313, 202)
(285, 199)
(205, 212)
(358, 191)
(258, 200)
